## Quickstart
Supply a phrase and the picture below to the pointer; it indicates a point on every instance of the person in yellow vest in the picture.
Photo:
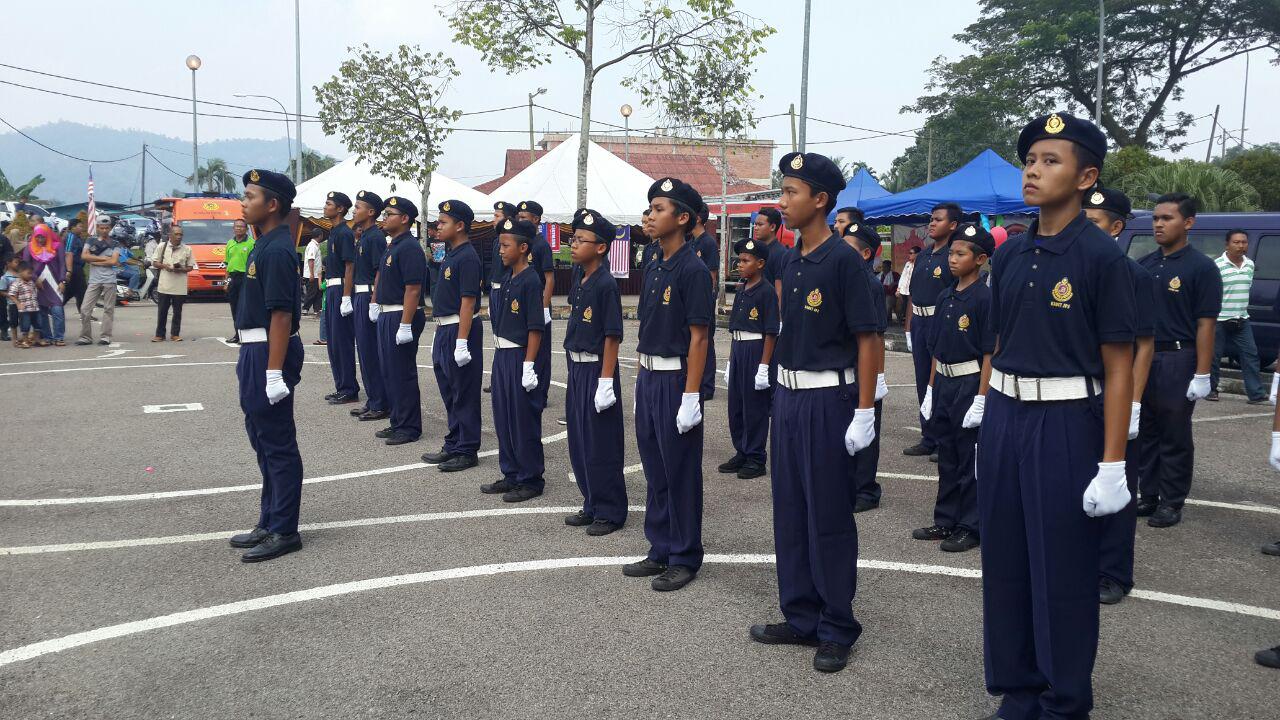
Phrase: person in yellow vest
(237, 256)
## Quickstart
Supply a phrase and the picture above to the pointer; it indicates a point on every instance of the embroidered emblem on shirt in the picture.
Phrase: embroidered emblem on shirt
(448, 273)
(963, 322)
(252, 271)
(797, 162)
(1097, 198)
(586, 315)
(1175, 284)
(666, 296)
(754, 314)
(937, 272)
(388, 261)
(1062, 292)
(814, 299)
(1054, 124)
(515, 306)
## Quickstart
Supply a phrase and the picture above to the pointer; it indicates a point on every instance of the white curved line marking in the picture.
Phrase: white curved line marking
(126, 367)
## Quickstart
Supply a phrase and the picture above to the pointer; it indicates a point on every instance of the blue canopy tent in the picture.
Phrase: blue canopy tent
(986, 184)
(861, 188)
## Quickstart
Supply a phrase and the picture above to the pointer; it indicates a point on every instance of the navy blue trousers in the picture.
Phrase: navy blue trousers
(1116, 546)
(367, 347)
(272, 434)
(957, 503)
(342, 342)
(923, 363)
(517, 420)
(1165, 443)
(748, 407)
(672, 469)
(708, 387)
(542, 366)
(814, 535)
(864, 466)
(459, 387)
(400, 372)
(1039, 554)
(596, 444)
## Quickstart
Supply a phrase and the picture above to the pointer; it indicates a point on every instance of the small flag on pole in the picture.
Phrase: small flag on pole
(620, 253)
(93, 208)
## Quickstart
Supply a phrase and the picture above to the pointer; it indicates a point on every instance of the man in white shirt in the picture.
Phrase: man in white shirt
(904, 283)
(311, 270)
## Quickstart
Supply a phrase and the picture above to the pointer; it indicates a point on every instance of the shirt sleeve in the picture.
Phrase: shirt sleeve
(611, 309)
(859, 312)
(542, 258)
(986, 332)
(993, 282)
(1113, 308)
(711, 253)
(469, 277)
(413, 264)
(279, 274)
(1144, 293)
(347, 246)
(1208, 300)
(531, 306)
(698, 295)
(769, 310)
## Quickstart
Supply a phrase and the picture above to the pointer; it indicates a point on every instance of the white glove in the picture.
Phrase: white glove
(1107, 493)
(276, 389)
(1199, 388)
(926, 406)
(530, 378)
(973, 418)
(605, 398)
(762, 377)
(861, 431)
(909, 341)
(1275, 385)
(374, 311)
(546, 315)
(1135, 412)
(1275, 450)
(346, 308)
(690, 412)
(404, 334)
(461, 353)
(882, 387)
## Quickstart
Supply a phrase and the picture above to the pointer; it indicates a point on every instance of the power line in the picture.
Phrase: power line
(140, 107)
(166, 167)
(67, 155)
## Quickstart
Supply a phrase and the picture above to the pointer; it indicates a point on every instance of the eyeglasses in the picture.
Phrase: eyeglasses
(575, 241)
(388, 213)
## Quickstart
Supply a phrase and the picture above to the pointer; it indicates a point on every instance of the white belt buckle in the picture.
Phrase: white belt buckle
(448, 320)
(253, 335)
(362, 288)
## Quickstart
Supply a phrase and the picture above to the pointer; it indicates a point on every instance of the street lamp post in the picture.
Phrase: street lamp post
(285, 114)
(532, 95)
(193, 62)
(626, 137)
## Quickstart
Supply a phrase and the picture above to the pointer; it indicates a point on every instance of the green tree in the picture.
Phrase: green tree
(313, 163)
(1217, 189)
(647, 35)
(215, 176)
(10, 191)
(1260, 167)
(387, 109)
(1128, 161)
(955, 135)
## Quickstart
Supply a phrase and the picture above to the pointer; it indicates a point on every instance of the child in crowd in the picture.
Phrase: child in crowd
(22, 293)
(8, 311)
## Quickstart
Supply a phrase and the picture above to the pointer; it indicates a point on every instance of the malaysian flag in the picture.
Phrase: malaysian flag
(93, 207)
(620, 253)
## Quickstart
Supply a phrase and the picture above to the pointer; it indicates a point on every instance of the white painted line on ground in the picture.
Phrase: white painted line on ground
(68, 642)
(173, 407)
(151, 365)
(1233, 417)
(92, 359)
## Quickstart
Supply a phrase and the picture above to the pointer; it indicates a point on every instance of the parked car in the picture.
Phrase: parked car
(9, 207)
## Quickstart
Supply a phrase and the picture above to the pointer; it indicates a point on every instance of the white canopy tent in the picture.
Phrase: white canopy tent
(615, 189)
(350, 177)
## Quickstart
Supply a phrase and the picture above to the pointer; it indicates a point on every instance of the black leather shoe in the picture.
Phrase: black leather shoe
(933, 458)
(332, 395)
(458, 463)
(733, 464)
(863, 504)
(373, 415)
(357, 412)
(643, 568)
(1268, 658)
(1147, 508)
(562, 420)
(435, 458)
(1110, 592)
(780, 634)
(1164, 517)
(496, 488)
(1258, 401)
(520, 493)
(1212, 397)
(579, 519)
(249, 539)
(673, 578)
(917, 450)
(602, 527)
(384, 433)
(933, 532)
(400, 439)
(1271, 548)
(831, 657)
(343, 399)
(488, 389)
(751, 470)
(961, 540)
(273, 546)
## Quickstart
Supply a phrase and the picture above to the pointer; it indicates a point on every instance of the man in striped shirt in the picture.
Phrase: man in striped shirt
(1233, 320)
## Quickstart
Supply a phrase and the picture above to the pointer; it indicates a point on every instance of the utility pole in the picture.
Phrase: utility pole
(929, 162)
(144, 174)
(1244, 108)
(532, 95)
(1102, 41)
(792, 111)
(1212, 131)
(297, 69)
(804, 76)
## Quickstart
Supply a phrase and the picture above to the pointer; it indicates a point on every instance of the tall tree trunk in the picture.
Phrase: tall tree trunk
(724, 222)
(423, 206)
(588, 80)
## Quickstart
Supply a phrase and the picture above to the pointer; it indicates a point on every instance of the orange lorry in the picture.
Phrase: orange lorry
(206, 224)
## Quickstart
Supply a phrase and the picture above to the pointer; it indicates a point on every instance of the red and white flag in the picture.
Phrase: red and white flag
(620, 253)
(93, 207)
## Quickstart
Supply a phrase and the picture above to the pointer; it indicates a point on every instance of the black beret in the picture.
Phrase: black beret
(977, 235)
(404, 205)
(1110, 200)
(277, 183)
(592, 221)
(370, 198)
(340, 198)
(751, 247)
(677, 191)
(815, 169)
(457, 210)
(506, 208)
(1061, 126)
(519, 228)
(864, 232)
(532, 207)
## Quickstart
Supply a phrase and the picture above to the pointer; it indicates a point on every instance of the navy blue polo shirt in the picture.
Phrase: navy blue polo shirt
(497, 270)
(676, 294)
(520, 309)
(1189, 287)
(882, 311)
(649, 253)
(459, 277)
(271, 282)
(708, 251)
(1055, 299)
(774, 262)
(961, 330)
(1144, 293)
(342, 250)
(369, 249)
(755, 309)
(931, 275)
(540, 256)
(403, 264)
(595, 311)
(827, 299)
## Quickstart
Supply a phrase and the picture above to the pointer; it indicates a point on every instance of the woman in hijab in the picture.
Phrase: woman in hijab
(44, 252)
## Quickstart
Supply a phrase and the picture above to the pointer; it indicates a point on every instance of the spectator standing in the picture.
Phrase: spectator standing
(904, 283)
(173, 260)
(48, 267)
(9, 311)
(889, 284)
(237, 256)
(311, 272)
(101, 254)
(73, 245)
(1233, 333)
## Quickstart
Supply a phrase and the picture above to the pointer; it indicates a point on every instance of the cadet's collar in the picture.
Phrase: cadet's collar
(457, 248)
(401, 236)
(961, 294)
(675, 256)
(819, 253)
(751, 289)
(585, 281)
(1176, 253)
(279, 231)
(1060, 243)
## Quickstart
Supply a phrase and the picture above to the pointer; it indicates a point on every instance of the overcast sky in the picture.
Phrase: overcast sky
(868, 60)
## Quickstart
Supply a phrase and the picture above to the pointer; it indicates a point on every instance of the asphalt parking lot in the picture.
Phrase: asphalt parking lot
(416, 596)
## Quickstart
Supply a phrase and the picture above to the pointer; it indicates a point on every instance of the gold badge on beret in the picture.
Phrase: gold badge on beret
(445, 207)
(666, 185)
(1054, 124)
(970, 231)
(507, 225)
(588, 220)
(853, 227)
(331, 194)
(360, 194)
(1097, 198)
(751, 245)
(392, 202)
(524, 206)
(797, 162)
(253, 176)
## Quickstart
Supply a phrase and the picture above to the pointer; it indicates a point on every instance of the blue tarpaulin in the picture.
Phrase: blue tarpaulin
(986, 184)
(861, 188)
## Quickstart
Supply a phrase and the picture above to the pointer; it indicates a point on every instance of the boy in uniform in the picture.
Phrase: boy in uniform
(497, 271)
(866, 464)
(753, 323)
(707, 250)
(339, 285)
(932, 273)
(371, 243)
(398, 312)
(539, 256)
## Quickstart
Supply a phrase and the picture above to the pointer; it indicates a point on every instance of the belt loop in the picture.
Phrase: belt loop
(844, 386)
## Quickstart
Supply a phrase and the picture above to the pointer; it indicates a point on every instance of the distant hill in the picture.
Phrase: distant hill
(65, 179)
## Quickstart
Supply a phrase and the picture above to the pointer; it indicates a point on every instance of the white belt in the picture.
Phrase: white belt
(448, 320)
(968, 367)
(744, 335)
(813, 379)
(333, 282)
(1044, 389)
(255, 335)
(924, 310)
(392, 308)
(505, 344)
(495, 286)
(362, 288)
(660, 364)
(581, 357)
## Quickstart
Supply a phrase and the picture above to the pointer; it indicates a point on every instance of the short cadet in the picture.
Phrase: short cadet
(675, 311)
(961, 341)
(270, 364)
(1051, 443)
(931, 275)
(371, 243)
(339, 285)
(823, 415)
(707, 250)
(398, 312)
(1109, 210)
(517, 412)
(497, 271)
(592, 409)
(750, 372)
(540, 258)
(457, 353)
(866, 464)
(1189, 288)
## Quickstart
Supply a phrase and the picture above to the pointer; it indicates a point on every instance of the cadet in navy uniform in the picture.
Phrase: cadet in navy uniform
(866, 464)
(544, 267)
(270, 364)
(371, 243)
(398, 290)
(1109, 210)
(707, 250)
(765, 232)
(824, 412)
(1189, 288)
(593, 412)
(651, 249)
(931, 274)
(961, 341)
(497, 271)
(1051, 444)
(675, 310)
(517, 412)
(750, 372)
(339, 284)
